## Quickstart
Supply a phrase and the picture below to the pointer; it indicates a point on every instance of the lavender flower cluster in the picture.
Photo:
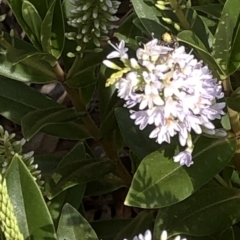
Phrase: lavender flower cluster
(172, 91)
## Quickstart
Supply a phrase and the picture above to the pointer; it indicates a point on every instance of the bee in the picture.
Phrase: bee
(168, 39)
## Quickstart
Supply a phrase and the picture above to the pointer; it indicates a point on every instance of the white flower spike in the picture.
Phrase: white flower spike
(170, 90)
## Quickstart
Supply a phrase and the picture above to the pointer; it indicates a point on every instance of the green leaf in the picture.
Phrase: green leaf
(46, 28)
(41, 6)
(144, 220)
(29, 206)
(85, 79)
(234, 62)
(225, 234)
(106, 184)
(78, 152)
(87, 93)
(15, 56)
(23, 73)
(208, 211)
(199, 28)
(16, 6)
(72, 195)
(222, 46)
(102, 227)
(47, 163)
(109, 121)
(138, 141)
(34, 121)
(213, 10)
(58, 31)
(32, 18)
(236, 232)
(233, 100)
(225, 122)
(73, 226)
(17, 100)
(72, 174)
(160, 182)
(148, 16)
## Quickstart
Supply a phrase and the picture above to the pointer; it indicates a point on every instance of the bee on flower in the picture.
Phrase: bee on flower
(170, 90)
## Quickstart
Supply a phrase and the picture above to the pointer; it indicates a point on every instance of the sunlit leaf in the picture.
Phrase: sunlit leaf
(73, 226)
(160, 182)
(208, 211)
(29, 205)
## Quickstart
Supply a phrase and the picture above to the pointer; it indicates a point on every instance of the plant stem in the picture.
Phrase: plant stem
(221, 180)
(180, 15)
(92, 128)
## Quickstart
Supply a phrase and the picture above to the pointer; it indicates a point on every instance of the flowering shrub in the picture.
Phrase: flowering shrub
(149, 112)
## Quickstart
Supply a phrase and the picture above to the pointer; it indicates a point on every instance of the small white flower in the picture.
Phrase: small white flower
(148, 236)
(121, 51)
(184, 157)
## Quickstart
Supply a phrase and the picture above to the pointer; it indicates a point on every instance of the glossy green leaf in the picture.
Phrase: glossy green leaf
(198, 26)
(32, 18)
(41, 6)
(225, 234)
(102, 227)
(15, 56)
(46, 28)
(160, 182)
(144, 220)
(58, 31)
(213, 10)
(16, 6)
(138, 141)
(29, 206)
(23, 73)
(234, 62)
(72, 174)
(34, 121)
(29, 70)
(78, 152)
(148, 17)
(83, 80)
(208, 211)
(72, 195)
(73, 226)
(222, 46)
(17, 100)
